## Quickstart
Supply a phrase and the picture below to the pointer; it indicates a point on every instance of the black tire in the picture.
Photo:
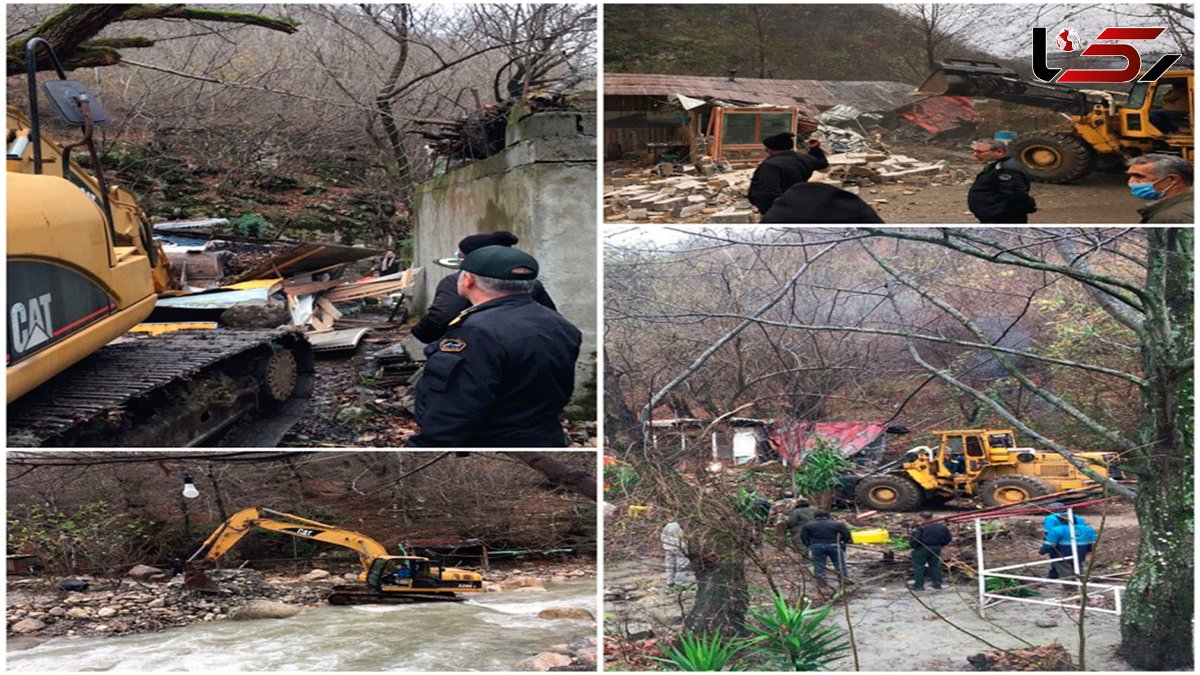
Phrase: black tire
(1013, 489)
(889, 493)
(1053, 156)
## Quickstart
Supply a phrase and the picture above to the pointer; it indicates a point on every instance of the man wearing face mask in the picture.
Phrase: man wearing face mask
(1167, 180)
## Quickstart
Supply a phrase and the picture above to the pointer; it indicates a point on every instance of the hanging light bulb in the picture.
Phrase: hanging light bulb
(189, 488)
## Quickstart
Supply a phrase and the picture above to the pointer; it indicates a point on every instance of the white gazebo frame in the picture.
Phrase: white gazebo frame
(1094, 588)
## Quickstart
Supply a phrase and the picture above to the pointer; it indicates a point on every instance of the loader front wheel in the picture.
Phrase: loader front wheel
(889, 493)
(1013, 489)
(1053, 157)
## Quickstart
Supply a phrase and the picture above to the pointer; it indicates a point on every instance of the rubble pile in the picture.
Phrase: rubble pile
(705, 192)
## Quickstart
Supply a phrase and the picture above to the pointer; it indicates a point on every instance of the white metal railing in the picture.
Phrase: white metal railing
(1077, 601)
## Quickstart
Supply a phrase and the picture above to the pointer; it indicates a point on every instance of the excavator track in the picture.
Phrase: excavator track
(181, 389)
(355, 595)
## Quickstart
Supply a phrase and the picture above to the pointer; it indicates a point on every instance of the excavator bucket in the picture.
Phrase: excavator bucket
(963, 77)
(196, 580)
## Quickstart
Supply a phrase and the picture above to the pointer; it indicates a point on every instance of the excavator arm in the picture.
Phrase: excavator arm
(963, 77)
(243, 522)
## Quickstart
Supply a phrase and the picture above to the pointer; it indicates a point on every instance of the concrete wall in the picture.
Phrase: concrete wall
(541, 187)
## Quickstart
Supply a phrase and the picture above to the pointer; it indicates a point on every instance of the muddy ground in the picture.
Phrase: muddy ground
(894, 629)
(1102, 197)
(351, 408)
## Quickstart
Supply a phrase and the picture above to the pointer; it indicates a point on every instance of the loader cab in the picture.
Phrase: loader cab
(1161, 110)
(967, 452)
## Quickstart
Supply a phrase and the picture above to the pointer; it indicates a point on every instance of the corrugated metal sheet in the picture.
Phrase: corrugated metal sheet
(796, 440)
(940, 113)
(820, 94)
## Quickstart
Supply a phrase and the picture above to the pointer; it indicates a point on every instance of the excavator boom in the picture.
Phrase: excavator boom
(963, 77)
(243, 522)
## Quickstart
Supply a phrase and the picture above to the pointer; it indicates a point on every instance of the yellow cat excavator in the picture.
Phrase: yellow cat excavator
(82, 269)
(388, 579)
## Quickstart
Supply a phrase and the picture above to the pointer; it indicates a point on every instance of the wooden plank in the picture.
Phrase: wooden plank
(328, 309)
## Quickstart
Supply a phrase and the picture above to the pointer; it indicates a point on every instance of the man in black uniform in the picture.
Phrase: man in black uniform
(783, 168)
(506, 367)
(926, 542)
(447, 303)
(1000, 193)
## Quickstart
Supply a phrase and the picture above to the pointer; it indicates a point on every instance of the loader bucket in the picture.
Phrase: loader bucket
(196, 580)
(962, 77)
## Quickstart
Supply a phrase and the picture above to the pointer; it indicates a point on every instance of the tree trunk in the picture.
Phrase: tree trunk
(556, 472)
(721, 592)
(1156, 627)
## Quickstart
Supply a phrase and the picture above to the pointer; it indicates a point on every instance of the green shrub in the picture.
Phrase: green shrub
(94, 537)
(700, 654)
(821, 472)
(795, 637)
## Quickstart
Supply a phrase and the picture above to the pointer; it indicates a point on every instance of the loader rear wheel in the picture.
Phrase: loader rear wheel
(1054, 157)
(1013, 489)
(889, 493)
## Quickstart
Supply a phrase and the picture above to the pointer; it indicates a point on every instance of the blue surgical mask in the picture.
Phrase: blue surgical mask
(1145, 190)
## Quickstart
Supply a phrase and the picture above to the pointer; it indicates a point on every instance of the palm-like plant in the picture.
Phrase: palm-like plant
(703, 653)
(795, 635)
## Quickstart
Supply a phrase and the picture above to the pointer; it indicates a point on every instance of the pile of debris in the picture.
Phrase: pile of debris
(691, 195)
(705, 192)
(876, 167)
(1048, 657)
(477, 135)
(245, 282)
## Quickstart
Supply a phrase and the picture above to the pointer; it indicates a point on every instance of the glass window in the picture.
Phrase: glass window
(1136, 95)
(974, 446)
(739, 129)
(1001, 441)
(775, 123)
(954, 445)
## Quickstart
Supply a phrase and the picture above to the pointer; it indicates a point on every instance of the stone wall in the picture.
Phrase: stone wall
(541, 187)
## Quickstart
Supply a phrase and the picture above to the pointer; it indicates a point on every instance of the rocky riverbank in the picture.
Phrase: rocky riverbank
(146, 601)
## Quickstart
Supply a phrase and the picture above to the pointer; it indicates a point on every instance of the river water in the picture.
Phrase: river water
(488, 632)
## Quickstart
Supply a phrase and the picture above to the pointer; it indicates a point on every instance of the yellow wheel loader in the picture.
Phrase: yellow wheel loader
(83, 269)
(386, 579)
(970, 463)
(1104, 124)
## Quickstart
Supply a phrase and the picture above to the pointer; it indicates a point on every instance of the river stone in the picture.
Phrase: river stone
(514, 583)
(143, 572)
(27, 626)
(57, 611)
(558, 579)
(78, 613)
(492, 587)
(106, 612)
(316, 575)
(573, 613)
(72, 585)
(542, 662)
(262, 609)
(157, 602)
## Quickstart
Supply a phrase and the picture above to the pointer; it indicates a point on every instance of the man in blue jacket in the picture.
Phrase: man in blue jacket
(1058, 545)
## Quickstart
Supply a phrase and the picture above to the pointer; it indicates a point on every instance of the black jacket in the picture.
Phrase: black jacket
(447, 304)
(499, 378)
(781, 171)
(1000, 193)
(930, 534)
(824, 531)
(819, 203)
